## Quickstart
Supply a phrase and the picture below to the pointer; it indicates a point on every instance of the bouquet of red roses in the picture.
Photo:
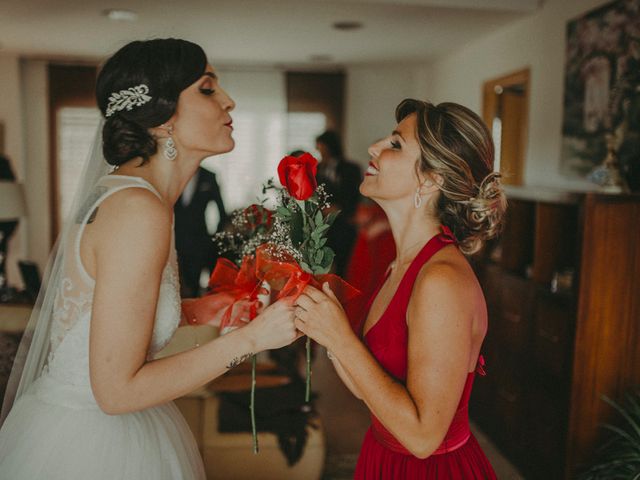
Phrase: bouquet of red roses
(278, 254)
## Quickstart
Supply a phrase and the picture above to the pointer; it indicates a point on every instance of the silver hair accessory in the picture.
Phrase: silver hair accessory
(170, 152)
(127, 99)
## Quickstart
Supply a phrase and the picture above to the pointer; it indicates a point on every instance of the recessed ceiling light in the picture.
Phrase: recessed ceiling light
(320, 58)
(347, 25)
(120, 15)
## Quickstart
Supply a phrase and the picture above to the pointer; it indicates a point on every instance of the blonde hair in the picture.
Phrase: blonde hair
(456, 145)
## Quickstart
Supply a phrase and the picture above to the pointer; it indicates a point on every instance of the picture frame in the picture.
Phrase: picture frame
(602, 89)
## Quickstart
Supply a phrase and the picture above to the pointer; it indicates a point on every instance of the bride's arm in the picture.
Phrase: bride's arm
(132, 241)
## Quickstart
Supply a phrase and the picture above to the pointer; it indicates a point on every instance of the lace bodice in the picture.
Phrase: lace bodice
(69, 357)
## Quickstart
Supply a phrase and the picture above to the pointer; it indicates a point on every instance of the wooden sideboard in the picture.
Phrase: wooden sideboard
(14, 317)
(563, 292)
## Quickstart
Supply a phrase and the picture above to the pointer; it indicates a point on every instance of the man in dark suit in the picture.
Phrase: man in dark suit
(195, 248)
(342, 179)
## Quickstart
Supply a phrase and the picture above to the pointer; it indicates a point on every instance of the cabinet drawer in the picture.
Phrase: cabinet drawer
(552, 333)
(546, 431)
(513, 325)
(491, 281)
(510, 398)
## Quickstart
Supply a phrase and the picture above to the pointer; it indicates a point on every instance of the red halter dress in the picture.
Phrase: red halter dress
(382, 456)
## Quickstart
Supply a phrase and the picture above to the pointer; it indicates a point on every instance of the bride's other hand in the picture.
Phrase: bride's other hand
(320, 316)
(274, 327)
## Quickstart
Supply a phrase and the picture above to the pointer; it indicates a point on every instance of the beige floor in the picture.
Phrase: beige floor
(346, 420)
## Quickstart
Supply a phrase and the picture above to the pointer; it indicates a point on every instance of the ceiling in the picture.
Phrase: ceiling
(258, 32)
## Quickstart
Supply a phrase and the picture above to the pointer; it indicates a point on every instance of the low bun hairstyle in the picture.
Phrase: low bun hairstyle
(456, 145)
(167, 67)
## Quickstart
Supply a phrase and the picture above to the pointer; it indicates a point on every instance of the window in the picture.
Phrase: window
(76, 132)
(302, 130)
(259, 122)
(73, 118)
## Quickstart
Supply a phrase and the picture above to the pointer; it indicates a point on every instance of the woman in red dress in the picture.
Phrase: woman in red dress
(414, 359)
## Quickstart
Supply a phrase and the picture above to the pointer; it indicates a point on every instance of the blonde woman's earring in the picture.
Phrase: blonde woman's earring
(170, 152)
(417, 199)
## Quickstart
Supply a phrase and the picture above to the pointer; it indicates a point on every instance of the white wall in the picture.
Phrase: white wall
(11, 117)
(537, 42)
(372, 94)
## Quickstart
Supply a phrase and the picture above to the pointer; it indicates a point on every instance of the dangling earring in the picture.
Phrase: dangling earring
(169, 151)
(417, 199)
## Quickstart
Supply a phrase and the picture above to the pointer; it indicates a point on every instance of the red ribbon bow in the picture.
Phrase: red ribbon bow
(286, 276)
(233, 299)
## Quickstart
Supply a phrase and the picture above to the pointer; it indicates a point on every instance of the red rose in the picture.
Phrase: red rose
(298, 175)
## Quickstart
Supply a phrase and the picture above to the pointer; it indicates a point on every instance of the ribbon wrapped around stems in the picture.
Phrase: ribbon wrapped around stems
(233, 299)
(285, 275)
(234, 296)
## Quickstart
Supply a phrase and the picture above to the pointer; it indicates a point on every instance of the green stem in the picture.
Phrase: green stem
(252, 404)
(303, 209)
(307, 392)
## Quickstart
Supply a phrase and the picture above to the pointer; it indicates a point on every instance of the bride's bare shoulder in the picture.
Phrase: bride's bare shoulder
(132, 214)
(130, 227)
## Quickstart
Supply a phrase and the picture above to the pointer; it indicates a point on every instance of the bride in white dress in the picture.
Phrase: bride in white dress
(86, 399)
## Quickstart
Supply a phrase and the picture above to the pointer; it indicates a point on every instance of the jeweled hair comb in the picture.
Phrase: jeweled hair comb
(127, 99)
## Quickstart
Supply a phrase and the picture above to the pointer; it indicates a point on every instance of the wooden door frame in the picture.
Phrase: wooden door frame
(490, 105)
(318, 92)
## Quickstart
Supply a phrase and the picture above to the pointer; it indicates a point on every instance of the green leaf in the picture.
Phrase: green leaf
(331, 218)
(318, 218)
(327, 257)
(310, 223)
(323, 228)
(284, 212)
(318, 256)
(305, 266)
(320, 270)
(322, 242)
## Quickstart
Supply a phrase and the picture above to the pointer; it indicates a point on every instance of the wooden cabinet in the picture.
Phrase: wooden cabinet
(562, 285)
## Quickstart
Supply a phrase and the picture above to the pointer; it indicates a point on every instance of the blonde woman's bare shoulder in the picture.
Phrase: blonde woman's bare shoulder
(444, 283)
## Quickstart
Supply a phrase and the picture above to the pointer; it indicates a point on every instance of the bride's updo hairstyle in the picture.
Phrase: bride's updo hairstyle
(166, 67)
(456, 145)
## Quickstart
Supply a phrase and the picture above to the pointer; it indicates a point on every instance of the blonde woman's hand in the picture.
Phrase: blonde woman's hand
(320, 316)
(274, 327)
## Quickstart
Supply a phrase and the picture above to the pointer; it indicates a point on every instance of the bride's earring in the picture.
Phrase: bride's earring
(417, 199)
(170, 152)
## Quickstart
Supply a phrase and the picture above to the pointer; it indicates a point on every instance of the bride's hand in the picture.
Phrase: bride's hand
(274, 327)
(320, 316)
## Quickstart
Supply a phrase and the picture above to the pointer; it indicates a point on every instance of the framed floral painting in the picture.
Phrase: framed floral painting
(602, 89)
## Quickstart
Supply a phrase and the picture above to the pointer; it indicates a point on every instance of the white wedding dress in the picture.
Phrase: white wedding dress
(56, 431)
